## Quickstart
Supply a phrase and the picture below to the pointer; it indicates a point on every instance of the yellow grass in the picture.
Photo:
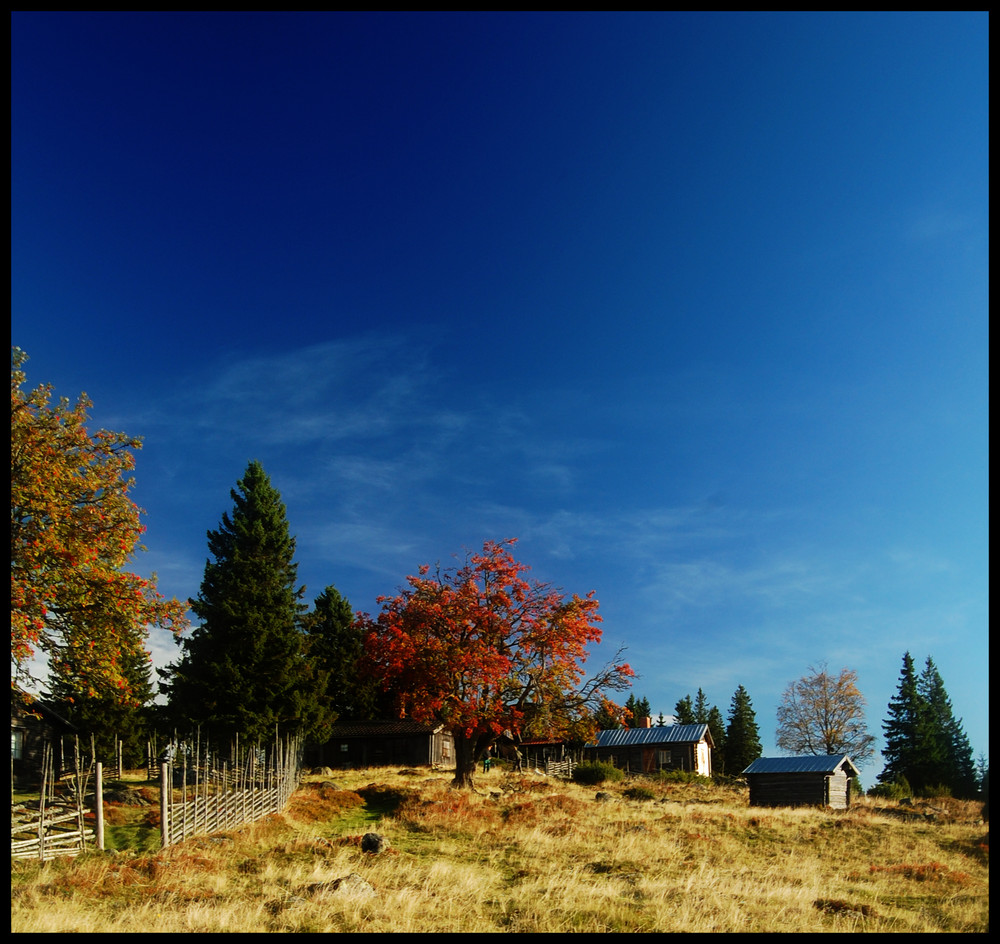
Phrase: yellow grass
(526, 854)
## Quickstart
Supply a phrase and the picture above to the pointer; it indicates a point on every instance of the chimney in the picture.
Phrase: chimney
(646, 722)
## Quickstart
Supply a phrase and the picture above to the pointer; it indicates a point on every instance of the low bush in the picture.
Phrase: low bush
(682, 776)
(590, 773)
(639, 793)
(935, 790)
(896, 790)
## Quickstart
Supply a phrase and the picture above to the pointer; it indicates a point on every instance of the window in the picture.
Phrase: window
(16, 744)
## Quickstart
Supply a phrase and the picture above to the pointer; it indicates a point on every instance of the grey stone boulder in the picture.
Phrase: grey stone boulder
(374, 843)
(350, 886)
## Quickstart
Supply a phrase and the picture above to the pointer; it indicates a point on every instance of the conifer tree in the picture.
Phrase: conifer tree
(700, 708)
(637, 709)
(717, 728)
(334, 649)
(902, 728)
(697, 711)
(684, 710)
(742, 735)
(948, 746)
(243, 670)
(925, 744)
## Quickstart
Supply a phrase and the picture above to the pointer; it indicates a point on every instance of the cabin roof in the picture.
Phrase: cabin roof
(396, 728)
(26, 709)
(818, 764)
(665, 734)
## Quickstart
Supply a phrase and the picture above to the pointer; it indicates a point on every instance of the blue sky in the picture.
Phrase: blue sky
(694, 306)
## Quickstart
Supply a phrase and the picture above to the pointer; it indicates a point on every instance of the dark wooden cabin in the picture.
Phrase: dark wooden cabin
(650, 749)
(406, 743)
(823, 780)
(33, 726)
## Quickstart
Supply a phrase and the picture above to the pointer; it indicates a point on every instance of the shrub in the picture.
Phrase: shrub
(896, 790)
(682, 776)
(639, 793)
(936, 790)
(590, 773)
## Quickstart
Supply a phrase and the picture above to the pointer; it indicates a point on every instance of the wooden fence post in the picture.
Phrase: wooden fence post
(99, 805)
(46, 761)
(164, 805)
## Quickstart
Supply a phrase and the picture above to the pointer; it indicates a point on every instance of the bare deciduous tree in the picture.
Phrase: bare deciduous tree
(822, 713)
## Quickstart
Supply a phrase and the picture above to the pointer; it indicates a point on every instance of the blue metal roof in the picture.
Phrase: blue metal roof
(820, 764)
(667, 734)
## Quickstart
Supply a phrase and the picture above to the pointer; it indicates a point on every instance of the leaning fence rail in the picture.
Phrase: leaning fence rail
(43, 837)
(59, 826)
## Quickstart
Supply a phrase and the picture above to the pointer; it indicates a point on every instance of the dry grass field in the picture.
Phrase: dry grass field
(526, 854)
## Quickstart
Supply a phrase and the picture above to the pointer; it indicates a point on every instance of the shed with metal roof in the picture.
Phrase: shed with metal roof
(650, 749)
(822, 780)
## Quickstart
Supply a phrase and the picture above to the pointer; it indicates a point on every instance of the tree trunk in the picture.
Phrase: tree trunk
(466, 759)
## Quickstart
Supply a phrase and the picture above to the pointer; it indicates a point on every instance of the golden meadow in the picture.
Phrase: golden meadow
(525, 854)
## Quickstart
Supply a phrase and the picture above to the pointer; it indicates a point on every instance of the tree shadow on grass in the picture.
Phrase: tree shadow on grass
(382, 801)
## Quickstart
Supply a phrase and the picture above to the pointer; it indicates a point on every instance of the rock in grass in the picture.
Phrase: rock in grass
(374, 843)
(350, 886)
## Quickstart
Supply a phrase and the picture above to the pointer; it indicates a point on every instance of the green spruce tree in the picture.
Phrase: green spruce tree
(684, 710)
(243, 670)
(700, 708)
(742, 735)
(925, 744)
(637, 709)
(334, 646)
(903, 728)
(717, 728)
(948, 753)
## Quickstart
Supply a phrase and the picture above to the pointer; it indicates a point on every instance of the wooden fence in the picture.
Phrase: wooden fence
(550, 766)
(560, 768)
(60, 825)
(45, 834)
(196, 799)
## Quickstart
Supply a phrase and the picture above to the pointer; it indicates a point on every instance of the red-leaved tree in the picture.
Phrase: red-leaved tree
(485, 652)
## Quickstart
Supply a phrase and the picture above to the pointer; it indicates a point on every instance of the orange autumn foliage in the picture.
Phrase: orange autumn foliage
(73, 528)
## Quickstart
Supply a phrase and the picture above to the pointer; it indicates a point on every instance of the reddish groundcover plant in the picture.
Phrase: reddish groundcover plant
(485, 652)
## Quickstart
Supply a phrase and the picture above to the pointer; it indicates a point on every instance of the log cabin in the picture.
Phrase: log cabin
(648, 748)
(823, 780)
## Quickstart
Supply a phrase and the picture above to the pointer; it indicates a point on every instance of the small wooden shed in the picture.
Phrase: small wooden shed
(823, 780)
(356, 744)
(649, 749)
